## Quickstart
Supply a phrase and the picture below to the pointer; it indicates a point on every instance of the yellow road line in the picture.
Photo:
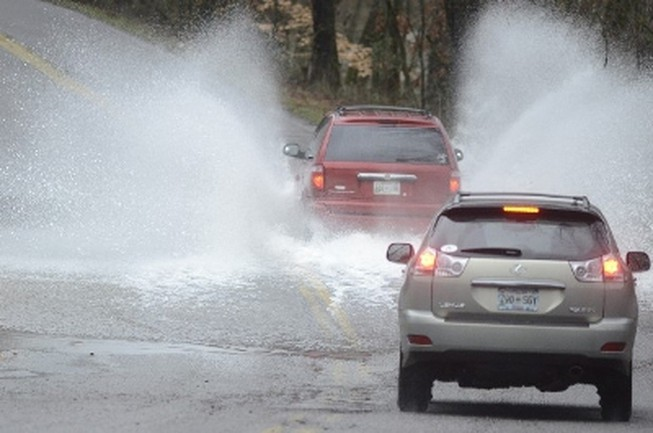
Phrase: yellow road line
(327, 313)
(319, 313)
(48, 69)
(339, 314)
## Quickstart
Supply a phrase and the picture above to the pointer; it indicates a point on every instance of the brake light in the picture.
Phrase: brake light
(521, 209)
(454, 184)
(317, 177)
(606, 268)
(431, 262)
(612, 269)
(425, 263)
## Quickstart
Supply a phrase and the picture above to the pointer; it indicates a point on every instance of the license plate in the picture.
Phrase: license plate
(518, 299)
(387, 187)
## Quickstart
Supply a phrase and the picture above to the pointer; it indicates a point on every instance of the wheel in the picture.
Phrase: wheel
(414, 388)
(616, 396)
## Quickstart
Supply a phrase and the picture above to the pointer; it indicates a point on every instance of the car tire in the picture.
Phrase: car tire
(616, 396)
(414, 388)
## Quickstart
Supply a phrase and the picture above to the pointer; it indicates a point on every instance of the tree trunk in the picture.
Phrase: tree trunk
(439, 75)
(447, 24)
(382, 34)
(324, 69)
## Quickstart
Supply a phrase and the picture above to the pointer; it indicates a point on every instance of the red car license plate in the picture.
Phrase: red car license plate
(387, 187)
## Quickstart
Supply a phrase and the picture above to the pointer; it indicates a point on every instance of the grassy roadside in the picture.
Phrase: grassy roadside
(307, 105)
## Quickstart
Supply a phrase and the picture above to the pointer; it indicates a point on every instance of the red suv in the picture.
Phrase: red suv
(376, 167)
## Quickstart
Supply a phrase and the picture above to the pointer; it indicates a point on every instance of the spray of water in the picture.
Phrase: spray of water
(179, 170)
(540, 112)
(173, 156)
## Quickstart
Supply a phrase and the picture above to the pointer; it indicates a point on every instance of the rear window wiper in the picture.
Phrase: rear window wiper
(425, 158)
(495, 251)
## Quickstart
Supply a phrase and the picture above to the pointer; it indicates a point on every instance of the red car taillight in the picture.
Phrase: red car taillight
(431, 262)
(317, 177)
(454, 183)
(605, 268)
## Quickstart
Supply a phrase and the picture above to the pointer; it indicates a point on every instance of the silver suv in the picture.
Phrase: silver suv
(510, 290)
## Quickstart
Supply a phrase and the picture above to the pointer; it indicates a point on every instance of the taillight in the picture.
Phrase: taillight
(425, 261)
(454, 183)
(431, 262)
(317, 177)
(606, 268)
(612, 270)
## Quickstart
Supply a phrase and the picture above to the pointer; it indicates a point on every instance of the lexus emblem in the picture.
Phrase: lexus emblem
(518, 269)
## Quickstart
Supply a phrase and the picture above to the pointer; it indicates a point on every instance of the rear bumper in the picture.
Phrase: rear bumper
(373, 216)
(573, 340)
(550, 358)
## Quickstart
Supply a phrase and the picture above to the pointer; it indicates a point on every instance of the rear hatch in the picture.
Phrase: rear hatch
(498, 265)
(509, 290)
(387, 169)
(385, 188)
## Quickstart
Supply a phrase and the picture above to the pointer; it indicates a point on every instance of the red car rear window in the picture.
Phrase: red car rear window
(387, 143)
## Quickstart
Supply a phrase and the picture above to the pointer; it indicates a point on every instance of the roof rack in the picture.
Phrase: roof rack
(342, 110)
(579, 200)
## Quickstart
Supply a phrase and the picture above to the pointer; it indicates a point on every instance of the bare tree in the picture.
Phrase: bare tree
(439, 73)
(444, 24)
(627, 25)
(324, 69)
(383, 34)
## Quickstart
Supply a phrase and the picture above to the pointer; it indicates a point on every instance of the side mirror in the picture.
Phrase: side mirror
(459, 154)
(400, 253)
(292, 149)
(638, 261)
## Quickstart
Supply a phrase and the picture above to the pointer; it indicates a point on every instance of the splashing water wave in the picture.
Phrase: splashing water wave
(180, 181)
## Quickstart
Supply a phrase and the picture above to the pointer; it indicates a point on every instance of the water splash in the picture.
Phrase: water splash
(176, 181)
(540, 112)
(176, 155)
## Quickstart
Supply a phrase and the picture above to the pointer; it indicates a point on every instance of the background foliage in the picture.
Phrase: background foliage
(386, 51)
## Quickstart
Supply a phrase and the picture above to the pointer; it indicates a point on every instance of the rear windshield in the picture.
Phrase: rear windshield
(391, 143)
(558, 235)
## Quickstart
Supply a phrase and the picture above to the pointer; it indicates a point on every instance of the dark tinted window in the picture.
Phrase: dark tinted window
(563, 235)
(391, 143)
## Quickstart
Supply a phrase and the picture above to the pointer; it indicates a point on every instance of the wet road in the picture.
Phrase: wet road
(124, 306)
(82, 355)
